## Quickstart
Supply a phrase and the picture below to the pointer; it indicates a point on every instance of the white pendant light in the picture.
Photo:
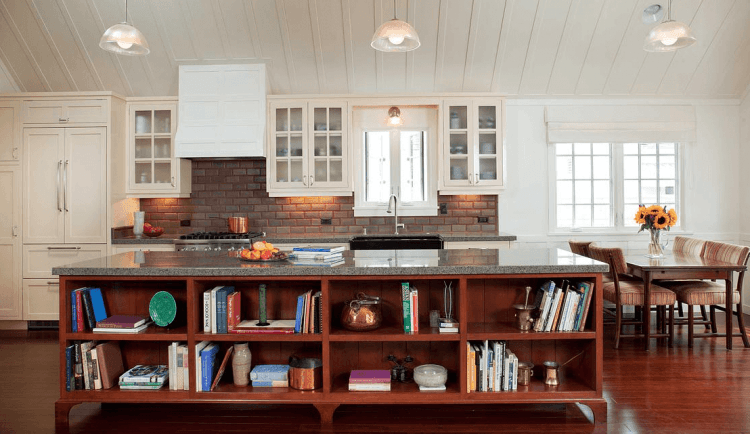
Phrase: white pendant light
(124, 39)
(395, 36)
(670, 35)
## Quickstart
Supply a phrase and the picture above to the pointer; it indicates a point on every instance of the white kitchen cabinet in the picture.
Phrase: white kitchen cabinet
(10, 132)
(123, 248)
(472, 151)
(153, 168)
(10, 243)
(308, 149)
(65, 185)
(40, 259)
(67, 112)
(41, 300)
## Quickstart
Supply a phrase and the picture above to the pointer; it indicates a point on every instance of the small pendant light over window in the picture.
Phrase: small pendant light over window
(670, 35)
(124, 39)
(395, 36)
(394, 117)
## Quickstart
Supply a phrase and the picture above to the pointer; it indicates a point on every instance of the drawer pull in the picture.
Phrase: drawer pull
(63, 119)
(64, 248)
(54, 282)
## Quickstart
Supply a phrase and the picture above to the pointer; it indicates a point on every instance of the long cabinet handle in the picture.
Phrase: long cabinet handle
(476, 178)
(53, 282)
(59, 169)
(65, 185)
(304, 180)
(63, 119)
(311, 180)
(173, 181)
(64, 248)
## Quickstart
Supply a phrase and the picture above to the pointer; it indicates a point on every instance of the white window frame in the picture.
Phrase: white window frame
(375, 122)
(617, 184)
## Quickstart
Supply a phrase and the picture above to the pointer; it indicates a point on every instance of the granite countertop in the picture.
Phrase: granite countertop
(317, 238)
(357, 263)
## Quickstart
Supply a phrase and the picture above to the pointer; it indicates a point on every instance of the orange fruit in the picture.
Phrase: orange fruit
(259, 245)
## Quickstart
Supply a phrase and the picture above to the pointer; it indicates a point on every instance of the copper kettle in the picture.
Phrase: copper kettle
(362, 314)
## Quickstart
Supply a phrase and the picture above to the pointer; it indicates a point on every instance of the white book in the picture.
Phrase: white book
(173, 367)
(198, 348)
(96, 373)
(497, 351)
(564, 311)
(547, 303)
(214, 319)
(138, 329)
(573, 310)
(207, 311)
(514, 372)
(370, 387)
(552, 309)
(85, 357)
(431, 388)
(485, 364)
(185, 369)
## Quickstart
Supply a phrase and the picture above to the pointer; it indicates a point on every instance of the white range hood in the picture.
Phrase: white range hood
(222, 111)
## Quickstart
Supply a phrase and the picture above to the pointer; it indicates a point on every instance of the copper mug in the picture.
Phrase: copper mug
(362, 314)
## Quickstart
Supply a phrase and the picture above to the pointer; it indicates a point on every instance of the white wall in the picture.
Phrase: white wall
(711, 175)
(744, 202)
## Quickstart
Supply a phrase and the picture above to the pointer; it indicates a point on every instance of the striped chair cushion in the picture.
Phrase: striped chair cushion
(580, 247)
(688, 246)
(701, 292)
(726, 252)
(631, 294)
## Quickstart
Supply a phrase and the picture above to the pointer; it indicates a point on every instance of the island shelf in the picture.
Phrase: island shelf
(485, 283)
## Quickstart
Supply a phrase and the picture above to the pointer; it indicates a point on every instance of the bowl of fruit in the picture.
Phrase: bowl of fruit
(152, 231)
(262, 251)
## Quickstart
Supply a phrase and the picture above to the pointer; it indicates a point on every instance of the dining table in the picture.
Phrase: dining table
(678, 266)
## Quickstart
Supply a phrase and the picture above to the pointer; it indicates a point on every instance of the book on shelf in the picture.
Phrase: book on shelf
(448, 330)
(138, 329)
(122, 321)
(317, 256)
(322, 249)
(406, 306)
(141, 386)
(300, 313)
(272, 372)
(172, 364)
(208, 363)
(73, 313)
(185, 370)
(370, 387)
(110, 363)
(95, 376)
(318, 326)
(207, 311)
(86, 364)
(234, 310)
(70, 368)
(547, 292)
(78, 367)
(78, 294)
(368, 376)
(222, 367)
(198, 348)
(144, 375)
(274, 383)
(97, 304)
(314, 263)
(251, 325)
(447, 322)
(588, 291)
(414, 305)
(214, 310)
(432, 388)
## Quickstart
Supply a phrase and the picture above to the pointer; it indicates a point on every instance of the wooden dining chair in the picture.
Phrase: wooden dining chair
(627, 290)
(713, 294)
(691, 247)
(580, 247)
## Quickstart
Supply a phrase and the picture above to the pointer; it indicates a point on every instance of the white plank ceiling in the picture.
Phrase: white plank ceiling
(514, 47)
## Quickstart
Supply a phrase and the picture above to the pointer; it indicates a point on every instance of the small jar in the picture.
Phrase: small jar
(241, 364)
(455, 121)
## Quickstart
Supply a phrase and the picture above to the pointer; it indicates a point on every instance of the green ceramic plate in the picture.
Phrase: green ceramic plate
(162, 308)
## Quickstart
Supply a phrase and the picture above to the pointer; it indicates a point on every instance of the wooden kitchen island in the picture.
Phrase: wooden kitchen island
(486, 283)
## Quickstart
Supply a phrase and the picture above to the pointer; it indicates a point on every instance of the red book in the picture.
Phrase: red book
(222, 367)
(79, 309)
(110, 363)
(234, 312)
(121, 321)
(367, 376)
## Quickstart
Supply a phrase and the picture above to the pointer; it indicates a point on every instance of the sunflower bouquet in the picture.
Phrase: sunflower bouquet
(655, 218)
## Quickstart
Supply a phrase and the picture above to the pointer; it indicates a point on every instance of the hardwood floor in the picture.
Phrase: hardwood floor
(701, 390)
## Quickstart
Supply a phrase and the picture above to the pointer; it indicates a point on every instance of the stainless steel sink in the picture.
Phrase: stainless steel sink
(396, 242)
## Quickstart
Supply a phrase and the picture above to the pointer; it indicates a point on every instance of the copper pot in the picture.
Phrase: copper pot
(362, 314)
(305, 373)
(237, 225)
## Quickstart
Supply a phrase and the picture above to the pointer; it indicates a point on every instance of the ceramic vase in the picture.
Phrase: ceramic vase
(241, 358)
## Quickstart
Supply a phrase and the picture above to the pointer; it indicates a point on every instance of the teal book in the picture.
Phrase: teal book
(270, 373)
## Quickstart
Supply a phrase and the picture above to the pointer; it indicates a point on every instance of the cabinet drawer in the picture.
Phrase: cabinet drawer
(38, 260)
(122, 248)
(89, 111)
(41, 299)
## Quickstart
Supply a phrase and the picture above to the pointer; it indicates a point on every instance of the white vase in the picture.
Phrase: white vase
(241, 359)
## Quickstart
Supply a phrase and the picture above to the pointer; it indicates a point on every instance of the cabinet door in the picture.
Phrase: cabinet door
(288, 148)
(327, 153)
(85, 179)
(43, 161)
(487, 145)
(10, 132)
(92, 111)
(41, 299)
(10, 243)
(458, 141)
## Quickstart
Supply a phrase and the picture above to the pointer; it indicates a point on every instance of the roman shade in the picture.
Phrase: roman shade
(620, 123)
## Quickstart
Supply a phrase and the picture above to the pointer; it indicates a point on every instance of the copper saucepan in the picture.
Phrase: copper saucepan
(237, 225)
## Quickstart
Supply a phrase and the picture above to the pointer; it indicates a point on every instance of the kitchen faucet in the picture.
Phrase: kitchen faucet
(395, 211)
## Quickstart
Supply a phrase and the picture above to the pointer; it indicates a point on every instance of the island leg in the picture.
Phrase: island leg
(62, 411)
(326, 412)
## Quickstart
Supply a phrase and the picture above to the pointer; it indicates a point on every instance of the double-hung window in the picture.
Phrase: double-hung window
(599, 186)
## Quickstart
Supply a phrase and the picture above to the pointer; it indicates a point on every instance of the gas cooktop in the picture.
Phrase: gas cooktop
(220, 236)
(215, 241)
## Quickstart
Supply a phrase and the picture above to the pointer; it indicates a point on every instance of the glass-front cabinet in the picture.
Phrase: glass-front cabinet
(307, 154)
(472, 146)
(153, 170)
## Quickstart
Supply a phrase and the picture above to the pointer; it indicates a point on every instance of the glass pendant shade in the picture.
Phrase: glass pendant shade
(669, 36)
(124, 39)
(394, 117)
(395, 36)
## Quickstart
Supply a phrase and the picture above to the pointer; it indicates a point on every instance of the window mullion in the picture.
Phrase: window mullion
(618, 185)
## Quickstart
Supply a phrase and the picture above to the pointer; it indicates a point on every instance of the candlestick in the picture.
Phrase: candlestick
(263, 320)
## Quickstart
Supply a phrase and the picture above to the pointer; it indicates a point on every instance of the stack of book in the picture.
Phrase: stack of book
(250, 326)
(309, 318)
(370, 380)
(410, 307)
(87, 308)
(491, 367)
(178, 366)
(144, 377)
(90, 367)
(448, 325)
(564, 307)
(122, 324)
(317, 256)
(270, 376)
(221, 309)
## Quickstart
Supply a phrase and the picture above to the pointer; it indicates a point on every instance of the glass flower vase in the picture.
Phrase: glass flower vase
(655, 249)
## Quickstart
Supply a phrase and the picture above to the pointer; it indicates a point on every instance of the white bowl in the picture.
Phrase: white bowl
(430, 375)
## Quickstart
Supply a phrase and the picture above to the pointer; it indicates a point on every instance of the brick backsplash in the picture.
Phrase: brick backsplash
(228, 188)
